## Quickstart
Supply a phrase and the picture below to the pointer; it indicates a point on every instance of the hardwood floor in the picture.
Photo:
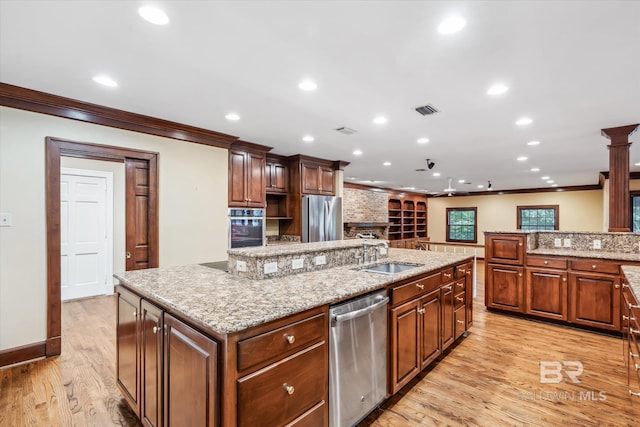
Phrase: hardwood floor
(491, 378)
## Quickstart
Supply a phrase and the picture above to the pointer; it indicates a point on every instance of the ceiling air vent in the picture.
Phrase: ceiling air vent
(427, 110)
(346, 130)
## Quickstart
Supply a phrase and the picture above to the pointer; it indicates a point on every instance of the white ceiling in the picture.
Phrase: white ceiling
(572, 66)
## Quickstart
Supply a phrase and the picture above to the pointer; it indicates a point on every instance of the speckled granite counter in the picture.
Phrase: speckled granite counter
(618, 256)
(225, 303)
(632, 273)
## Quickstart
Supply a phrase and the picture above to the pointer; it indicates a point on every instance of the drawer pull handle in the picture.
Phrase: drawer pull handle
(460, 321)
(463, 271)
(460, 299)
(155, 329)
(632, 354)
(447, 275)
(290, 339)
(421, 310)
(546, 262)
(468, 273)
(289, 388)
(460, 285)
(634, 331)
(634, 393)
(448, 287)
(633, 306)
(420, 286)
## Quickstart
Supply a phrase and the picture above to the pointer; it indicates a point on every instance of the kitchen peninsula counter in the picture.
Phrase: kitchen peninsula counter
(223, 303)
(594, 254)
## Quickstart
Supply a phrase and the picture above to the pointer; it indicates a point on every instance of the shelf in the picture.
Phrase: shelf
(367, 224)
(279, 217)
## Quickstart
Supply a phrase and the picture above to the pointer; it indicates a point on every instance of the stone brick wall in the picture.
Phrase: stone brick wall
(364, 206)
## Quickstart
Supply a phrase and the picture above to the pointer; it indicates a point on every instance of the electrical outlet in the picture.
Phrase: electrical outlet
(557, 243)
(241, 265)
(597, 244)
(383, 250)
(270, 267)
(567, 243)
(321, 260)
(5, 219)
(297, 263)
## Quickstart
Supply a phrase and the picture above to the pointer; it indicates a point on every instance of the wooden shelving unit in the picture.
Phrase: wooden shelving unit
(407, 218)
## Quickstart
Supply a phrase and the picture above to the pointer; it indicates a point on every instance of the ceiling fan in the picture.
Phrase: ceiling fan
(450, 191)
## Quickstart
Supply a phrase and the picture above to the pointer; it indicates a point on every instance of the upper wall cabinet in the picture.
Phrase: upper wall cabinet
(246, 178)
(317, 178)
(277, 175)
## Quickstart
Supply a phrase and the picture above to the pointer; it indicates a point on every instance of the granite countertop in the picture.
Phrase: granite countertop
(226, 303)
(632, 273)
(618, 256)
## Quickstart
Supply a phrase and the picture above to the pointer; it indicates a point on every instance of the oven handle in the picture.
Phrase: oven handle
(353, 314)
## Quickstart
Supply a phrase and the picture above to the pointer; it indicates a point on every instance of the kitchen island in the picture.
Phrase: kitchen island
(201, 346)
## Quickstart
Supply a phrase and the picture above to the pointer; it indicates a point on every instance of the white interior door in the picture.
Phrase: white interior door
(86, 230)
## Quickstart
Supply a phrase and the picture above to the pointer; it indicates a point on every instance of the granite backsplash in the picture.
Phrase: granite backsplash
(583, 241)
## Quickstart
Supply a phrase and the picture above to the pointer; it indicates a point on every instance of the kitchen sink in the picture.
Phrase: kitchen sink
(389, 268)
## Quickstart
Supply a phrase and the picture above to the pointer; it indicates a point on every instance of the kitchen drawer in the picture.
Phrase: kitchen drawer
(460, 285)
(279, 342)
(458, 300)
(282, 392)
(316, 416)
(597, 266)
(447, 275)
(413, 289)
(547, 262)
(463, 270)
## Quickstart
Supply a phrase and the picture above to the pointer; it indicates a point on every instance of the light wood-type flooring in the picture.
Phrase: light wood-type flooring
(491, 378)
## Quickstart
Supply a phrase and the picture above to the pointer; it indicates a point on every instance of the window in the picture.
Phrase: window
(538, 218)
(461, 225)
(635, 212)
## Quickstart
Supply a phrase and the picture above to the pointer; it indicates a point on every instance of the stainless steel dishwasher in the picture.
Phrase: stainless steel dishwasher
(357, 358)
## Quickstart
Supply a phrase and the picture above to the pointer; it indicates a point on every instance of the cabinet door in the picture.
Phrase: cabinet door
(237, 178)
(190, 376)
(256, 185)
(459, 316)
(448, 321)
(405, 348)
(430, 339)
(503, 287)
(151, 365)
(310, 178)
(326, 180)
(505, 249)
(128, 347)
(594, 300)
(546, 293)
(276, 176)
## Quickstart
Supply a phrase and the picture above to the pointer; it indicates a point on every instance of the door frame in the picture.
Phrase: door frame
(108, 178)
(54, 149)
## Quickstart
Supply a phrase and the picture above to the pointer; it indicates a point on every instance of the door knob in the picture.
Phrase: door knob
(128, 254)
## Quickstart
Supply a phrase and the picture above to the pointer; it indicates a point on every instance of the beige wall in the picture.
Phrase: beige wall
(192, 211)
(579, 211)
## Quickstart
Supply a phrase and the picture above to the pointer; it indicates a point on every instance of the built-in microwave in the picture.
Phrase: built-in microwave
(246, 227)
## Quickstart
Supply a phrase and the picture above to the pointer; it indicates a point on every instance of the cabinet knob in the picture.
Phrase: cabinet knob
(616, 286)
(594, 266)
(520, 244)
(546, 262)
(564, 279)
(460, 321)
(155, 329)
(420, 285)
(128, 254)
(290, 339)
(519, 274)
(421, 310)
(289, 388)
(460, 299)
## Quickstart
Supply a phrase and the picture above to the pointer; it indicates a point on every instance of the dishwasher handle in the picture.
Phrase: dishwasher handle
(353, 314)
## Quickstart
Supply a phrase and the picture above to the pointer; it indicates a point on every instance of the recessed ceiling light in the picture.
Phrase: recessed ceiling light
(533, 143)
(535, 169)
(461, 181)
(105, 81)
(497, 89)
(451, 25)
(308, 85)
(379, 120)
(480, 186)
(554, 185)
(524, 121)
(353, 177)
(387, 163)
(436, 174)
(522, 158)
(232, 117)
(308, 138)
(544, 178)
(550, 181)
(423, 140)
(153, 15)
(357, 152)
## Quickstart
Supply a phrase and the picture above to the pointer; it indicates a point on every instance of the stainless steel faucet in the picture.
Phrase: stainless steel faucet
(365, 249)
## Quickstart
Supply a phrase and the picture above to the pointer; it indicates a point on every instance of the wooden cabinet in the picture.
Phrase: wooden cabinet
(448, 321)
(166, 370)
(430, 316)
(546, 293)
(317, 179)
(246, 178)
(405, 344)
(631, 339)
(464, 277)
(504, 287)
(190, 376)
(505, 248)
(128, 347)
(594, 300)
(276, 175)
(407, 218)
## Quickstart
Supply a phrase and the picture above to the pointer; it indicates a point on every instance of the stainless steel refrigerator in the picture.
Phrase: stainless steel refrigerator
(321, 218)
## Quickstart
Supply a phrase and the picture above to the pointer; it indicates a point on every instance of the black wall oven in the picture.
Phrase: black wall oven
(246, 228)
